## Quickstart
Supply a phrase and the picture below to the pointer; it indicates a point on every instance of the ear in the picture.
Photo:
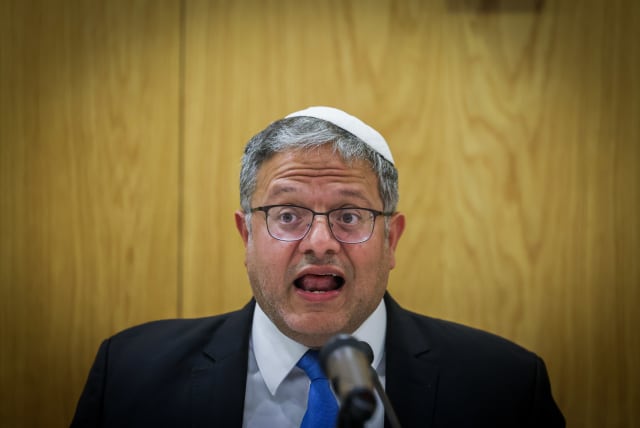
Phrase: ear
(396, 227)
(241, 225)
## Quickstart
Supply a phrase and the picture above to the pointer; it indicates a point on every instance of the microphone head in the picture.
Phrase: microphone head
(341, 340)
(347, 363)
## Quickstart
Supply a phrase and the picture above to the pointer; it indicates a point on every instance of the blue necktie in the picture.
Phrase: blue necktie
(322, 407)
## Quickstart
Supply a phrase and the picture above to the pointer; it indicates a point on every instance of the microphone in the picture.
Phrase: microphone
(347, 363)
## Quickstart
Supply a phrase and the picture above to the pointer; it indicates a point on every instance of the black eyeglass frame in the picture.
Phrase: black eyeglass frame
(265, 209)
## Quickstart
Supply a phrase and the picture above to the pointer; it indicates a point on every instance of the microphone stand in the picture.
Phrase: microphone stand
(386, 403)
(357, 408)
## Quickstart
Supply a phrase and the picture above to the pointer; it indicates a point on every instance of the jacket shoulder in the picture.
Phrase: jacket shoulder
(452, 338)
(479, 376)
(162, 332)
(142, 376)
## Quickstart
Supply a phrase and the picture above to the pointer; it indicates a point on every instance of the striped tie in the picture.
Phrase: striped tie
(322, 407)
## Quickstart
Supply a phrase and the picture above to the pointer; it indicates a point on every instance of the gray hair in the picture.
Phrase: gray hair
(307, 132)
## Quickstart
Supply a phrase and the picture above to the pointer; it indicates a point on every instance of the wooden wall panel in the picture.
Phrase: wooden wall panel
(514, 126)
(89, 183)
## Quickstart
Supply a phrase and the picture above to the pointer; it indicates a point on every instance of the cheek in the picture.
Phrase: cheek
(374, 256)
(373, 266)
(267, 260)
(257, 258)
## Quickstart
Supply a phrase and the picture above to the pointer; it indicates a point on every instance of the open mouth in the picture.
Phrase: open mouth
(319, 283)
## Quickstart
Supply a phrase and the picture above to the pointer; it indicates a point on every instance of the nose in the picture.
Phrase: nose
(319, 240)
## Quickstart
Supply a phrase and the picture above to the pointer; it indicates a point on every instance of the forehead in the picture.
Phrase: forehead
(320, 170)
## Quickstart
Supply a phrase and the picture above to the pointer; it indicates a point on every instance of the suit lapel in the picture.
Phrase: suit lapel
(411, 381)
(218, 380)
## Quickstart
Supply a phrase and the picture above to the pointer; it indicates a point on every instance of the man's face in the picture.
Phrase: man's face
(282, 274)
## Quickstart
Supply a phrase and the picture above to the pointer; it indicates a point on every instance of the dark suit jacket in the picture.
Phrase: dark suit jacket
(192, 373)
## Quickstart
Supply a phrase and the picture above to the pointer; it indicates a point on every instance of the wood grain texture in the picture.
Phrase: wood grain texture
(88, 131)
(514, 125)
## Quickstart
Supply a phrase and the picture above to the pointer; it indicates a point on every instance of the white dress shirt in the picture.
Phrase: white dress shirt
(276, 390)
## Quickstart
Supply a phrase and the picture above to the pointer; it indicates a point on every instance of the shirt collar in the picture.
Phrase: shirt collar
(276, 354)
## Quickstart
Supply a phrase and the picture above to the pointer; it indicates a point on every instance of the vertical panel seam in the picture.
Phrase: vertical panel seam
(181, 160)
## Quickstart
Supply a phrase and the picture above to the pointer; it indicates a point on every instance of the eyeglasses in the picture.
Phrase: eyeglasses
(347, 225)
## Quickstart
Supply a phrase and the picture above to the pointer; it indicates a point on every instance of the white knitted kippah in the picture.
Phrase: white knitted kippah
(351, 124)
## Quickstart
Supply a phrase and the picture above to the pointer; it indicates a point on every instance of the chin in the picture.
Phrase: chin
(313, 332)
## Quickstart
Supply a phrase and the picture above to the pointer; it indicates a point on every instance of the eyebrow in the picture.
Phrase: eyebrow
(342, 192)
(282, 189)
(353, 193)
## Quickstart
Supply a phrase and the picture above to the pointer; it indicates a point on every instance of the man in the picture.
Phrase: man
(318, 194)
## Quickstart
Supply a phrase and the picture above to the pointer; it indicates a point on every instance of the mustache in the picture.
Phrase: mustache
(313, 260)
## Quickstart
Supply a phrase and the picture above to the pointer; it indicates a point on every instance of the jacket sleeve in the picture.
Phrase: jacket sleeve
(544, 411)
(90, 405)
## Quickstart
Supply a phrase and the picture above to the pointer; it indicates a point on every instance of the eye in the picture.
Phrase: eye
(349, 217)
(287, 215)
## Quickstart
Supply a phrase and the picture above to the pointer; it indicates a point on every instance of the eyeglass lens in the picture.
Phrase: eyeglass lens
(291, 223)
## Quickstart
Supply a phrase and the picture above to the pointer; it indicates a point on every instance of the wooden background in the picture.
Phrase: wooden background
(514, 124)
